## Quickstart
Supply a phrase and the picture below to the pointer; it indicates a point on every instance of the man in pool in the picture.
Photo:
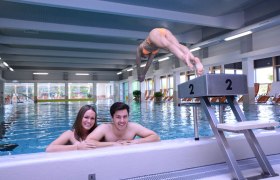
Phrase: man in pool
(121, 131)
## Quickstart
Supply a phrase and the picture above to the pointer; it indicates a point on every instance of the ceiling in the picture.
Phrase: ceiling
(102, 35)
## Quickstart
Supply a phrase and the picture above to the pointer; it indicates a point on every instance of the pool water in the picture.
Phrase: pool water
(33, 126)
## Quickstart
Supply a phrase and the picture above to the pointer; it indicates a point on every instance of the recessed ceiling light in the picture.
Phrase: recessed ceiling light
(41, 73)
(5, 64)
(195, 49)
(238, 35)
(82, 74)
(163, 59)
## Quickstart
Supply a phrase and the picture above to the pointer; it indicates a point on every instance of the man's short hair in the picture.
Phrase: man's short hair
(118, 106)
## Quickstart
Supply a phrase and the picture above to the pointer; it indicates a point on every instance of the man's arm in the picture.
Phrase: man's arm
(146, 134)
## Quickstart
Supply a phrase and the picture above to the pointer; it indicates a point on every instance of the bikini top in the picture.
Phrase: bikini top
(149, 48)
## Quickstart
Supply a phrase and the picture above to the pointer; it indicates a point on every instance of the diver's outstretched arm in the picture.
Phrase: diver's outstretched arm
(146, 68)
(138, 63)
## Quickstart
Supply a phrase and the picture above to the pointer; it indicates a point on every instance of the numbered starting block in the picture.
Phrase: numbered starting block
(227, 85)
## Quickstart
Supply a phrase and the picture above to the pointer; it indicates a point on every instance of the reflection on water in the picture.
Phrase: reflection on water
(33, 126)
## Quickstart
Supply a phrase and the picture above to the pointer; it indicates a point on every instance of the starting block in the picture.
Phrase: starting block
(228, 85)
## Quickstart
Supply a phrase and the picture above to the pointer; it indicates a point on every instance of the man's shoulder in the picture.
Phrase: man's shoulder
(134, 124)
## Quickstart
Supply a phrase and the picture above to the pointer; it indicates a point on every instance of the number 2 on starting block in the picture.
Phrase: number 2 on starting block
(214, 85)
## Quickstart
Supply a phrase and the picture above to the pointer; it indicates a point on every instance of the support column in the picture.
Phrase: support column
(94, 95)
(35, 92)
(222, 69)
(116, 91)
(1, 93)
(156, 83)
(130, 89)
(176, 82)
(66, 91)
(248, 69)
(246, 45)
(142, 89)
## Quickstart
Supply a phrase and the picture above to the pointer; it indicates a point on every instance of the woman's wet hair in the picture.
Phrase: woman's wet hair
(77, 126)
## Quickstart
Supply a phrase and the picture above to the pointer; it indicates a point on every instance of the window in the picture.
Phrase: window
(18, 92)
(80, 90)
(182, 77)
(149, 84)
(170, 85)
(163, 82)
(233, 68)
(51, 91)
(264, 75)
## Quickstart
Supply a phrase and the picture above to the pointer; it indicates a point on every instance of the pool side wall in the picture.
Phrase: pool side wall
(130, 161)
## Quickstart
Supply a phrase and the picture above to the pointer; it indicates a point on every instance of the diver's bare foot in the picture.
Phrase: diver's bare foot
(188, 61)
(199, 68)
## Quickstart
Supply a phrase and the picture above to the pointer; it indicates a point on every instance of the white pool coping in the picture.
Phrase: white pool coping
(131, 161)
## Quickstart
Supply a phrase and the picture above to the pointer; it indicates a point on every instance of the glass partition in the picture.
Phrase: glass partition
(18, 92)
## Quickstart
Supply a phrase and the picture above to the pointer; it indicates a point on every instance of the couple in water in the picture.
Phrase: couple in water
(85, 134)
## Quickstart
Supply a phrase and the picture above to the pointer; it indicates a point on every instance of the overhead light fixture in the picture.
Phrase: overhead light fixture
(195, 49)
(40, 73)
(143, 65)
(119, 73)
(7, 65)
(163, 59)
(131, 69)
(82, 74)
(238, 35)
(11, 69)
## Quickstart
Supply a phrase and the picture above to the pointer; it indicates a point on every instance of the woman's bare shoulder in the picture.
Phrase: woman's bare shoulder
(68, 133)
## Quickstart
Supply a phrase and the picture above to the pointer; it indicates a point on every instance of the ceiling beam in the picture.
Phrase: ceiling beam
(18, 58)
(70, 54)
(70, 29)
(231, 21)
(14, 64)
(66, 44)
(59, 70)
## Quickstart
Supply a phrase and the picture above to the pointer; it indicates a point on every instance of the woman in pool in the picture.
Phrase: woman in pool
(75, 139)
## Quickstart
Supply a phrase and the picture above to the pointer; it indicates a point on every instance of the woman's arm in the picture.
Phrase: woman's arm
(60, 144)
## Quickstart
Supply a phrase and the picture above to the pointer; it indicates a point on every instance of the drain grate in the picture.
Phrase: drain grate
(205, 171)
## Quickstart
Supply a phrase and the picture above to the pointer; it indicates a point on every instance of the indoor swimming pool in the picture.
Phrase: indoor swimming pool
(33, 126)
